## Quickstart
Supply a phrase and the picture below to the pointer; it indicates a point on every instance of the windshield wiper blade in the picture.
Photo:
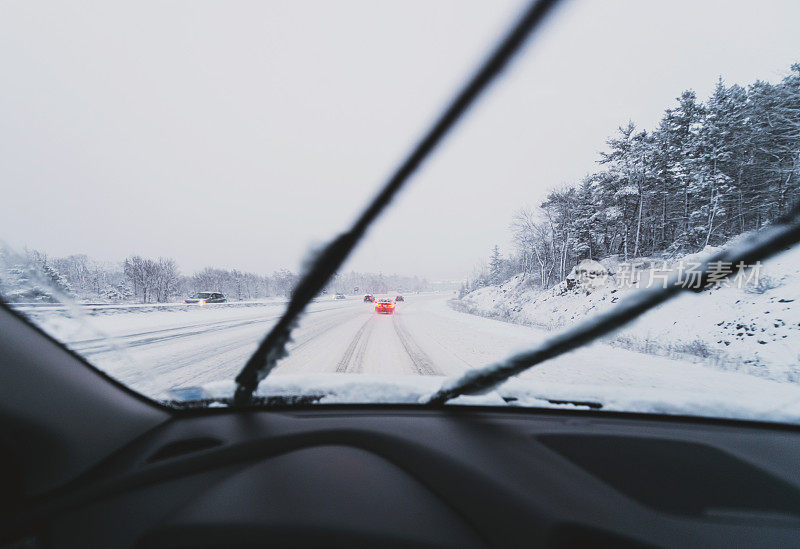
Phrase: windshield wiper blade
(273, 347)
(783, 234)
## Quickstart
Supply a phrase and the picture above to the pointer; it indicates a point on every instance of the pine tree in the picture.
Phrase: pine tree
(57, 283)
(496, 266)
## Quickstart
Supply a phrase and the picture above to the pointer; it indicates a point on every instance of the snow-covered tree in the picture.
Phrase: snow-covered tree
(497, 266)
(707, 172)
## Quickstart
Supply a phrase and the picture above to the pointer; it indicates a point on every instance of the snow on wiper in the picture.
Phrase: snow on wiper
(329, 388)
(331, 258)
(783, 234)
(186, 398)
(275, 401)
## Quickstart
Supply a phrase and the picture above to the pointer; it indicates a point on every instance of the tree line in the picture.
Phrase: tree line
(32, 276)
(708, 172)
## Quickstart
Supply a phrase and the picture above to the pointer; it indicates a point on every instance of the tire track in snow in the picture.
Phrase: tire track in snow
(358, 362)
(89, 347)
(314, 331)
(422, 363)
(235, 353)
(347, 357)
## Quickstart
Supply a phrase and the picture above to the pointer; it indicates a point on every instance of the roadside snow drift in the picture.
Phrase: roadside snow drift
(751, 325)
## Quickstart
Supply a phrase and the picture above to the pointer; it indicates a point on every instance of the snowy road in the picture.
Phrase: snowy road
(168, 349)
(173, 349)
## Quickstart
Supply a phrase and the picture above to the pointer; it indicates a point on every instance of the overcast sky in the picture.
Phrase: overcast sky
(238, 134)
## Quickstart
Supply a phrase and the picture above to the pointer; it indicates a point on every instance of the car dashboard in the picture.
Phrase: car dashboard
(411, 477)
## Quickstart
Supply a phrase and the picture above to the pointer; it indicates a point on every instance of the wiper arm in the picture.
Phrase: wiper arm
(273, 347)
(784, 233)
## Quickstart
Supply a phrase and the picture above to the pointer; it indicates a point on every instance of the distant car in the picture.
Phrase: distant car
(206, 297)
(369, 298)
(399, 298)
(384, 306)
(339, 296)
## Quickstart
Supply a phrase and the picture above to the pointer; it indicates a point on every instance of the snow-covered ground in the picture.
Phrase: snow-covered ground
(347, 353)
(752, 326)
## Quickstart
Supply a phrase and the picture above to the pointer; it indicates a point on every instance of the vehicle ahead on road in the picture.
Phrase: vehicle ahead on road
(206, 297)
(399, 298)
(384, 306)
(369, 298)
(339, 296)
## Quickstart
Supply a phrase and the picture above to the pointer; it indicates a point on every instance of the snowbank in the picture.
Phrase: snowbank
(752, 325)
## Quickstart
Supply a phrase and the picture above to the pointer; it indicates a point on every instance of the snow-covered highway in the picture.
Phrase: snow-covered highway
(188, 347)
(156, 351)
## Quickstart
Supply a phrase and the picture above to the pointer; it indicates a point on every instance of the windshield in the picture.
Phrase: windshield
(611, 158)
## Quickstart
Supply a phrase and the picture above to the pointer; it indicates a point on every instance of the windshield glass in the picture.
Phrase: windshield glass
(623, 146)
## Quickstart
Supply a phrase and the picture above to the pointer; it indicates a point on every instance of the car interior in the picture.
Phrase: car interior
(86, 462)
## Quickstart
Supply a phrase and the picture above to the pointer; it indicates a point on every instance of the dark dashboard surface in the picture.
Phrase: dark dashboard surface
(433, 478)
